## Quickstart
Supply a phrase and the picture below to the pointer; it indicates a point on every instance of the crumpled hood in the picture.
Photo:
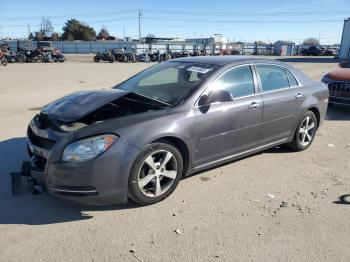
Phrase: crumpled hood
(72, 107)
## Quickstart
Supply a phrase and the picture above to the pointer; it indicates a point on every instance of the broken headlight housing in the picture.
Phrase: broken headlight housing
(88, 148)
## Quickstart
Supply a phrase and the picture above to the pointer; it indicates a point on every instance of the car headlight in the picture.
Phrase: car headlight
(88, 148)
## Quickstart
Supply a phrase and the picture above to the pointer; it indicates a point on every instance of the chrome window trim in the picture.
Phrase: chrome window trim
(255, 80)
(280, 89)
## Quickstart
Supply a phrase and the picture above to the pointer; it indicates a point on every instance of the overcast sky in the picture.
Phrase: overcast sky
(238, 20)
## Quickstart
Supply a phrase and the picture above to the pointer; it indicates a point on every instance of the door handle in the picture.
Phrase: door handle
(254, 105)
(299, 95)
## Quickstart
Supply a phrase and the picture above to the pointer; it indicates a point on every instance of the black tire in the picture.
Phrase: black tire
(133, 58)
(296, 144)
(21, 59)
(97, 59)
(4, 61)
(111, 59)
(135, 192)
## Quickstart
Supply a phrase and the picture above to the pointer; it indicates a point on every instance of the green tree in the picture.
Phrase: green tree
(38, 36)
(76, 30)
(103, 34)
(55, 36)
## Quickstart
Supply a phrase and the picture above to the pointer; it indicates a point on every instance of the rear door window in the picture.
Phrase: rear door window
(272, 77)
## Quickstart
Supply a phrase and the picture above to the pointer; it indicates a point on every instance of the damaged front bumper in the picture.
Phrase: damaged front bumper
(102, 180)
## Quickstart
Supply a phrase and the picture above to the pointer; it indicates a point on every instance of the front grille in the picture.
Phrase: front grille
(339, 89)
(39, 141)
(43, 122)
(39, 162)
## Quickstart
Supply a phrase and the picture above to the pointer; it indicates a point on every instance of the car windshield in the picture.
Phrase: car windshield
(169, 82)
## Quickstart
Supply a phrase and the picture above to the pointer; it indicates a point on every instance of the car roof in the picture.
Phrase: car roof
(223, 60)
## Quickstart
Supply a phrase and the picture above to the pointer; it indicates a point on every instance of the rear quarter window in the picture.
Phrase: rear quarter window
(291, 78)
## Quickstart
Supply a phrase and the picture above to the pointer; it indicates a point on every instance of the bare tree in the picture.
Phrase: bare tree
(46, 28)
(311, 41)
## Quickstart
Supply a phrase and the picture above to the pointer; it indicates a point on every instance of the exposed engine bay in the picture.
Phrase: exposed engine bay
(128, 104)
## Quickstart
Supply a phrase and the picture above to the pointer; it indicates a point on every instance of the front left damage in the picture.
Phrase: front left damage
(101, 180)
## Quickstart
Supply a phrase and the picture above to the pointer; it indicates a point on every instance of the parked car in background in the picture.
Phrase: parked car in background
(338, 82)
(171, 120)
(312, 51)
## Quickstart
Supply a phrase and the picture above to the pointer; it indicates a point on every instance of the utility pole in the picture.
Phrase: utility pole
(28, 30)
(140, 15)
(319, 36)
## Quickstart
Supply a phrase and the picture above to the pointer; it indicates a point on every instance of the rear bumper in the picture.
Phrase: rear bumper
(102, 180)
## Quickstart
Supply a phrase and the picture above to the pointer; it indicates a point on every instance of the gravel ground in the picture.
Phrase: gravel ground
(274, 206)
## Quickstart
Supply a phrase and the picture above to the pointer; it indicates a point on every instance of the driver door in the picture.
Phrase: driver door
(228, 128)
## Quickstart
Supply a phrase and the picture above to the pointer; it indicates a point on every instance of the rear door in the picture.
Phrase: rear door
(227, 128)
(282, 97)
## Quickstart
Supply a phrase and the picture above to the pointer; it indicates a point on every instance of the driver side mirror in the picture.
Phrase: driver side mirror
(213, 97)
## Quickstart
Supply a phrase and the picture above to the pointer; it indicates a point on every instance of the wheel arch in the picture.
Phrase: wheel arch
(317, 113)
(180, 145)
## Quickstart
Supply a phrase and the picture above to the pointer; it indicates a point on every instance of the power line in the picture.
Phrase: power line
(184, 12)
(242, 21)
(71, 15)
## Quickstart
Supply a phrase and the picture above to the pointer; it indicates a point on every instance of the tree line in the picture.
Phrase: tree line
(73, 29)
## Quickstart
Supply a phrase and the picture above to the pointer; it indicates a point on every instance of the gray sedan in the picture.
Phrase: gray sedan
(173, 119)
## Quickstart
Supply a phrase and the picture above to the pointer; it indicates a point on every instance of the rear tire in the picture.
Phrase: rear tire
(96, 59)
(4, 61)
(21, 59)
(155, 173)
(305, 133)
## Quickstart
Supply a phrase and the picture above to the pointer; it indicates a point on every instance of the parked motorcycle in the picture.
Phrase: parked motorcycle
(13, 57)
(57, 56)
(144, 57)
(47, 57)
(33, 56)
(164, 56)
(122, 56)
(106, 56)
(157, 56)
(3, 59)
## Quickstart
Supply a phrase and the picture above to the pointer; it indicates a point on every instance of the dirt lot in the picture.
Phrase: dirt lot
(225, 214)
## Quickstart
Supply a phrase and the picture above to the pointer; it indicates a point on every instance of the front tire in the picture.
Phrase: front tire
(4, 61)
(155, 174)
(305, 132)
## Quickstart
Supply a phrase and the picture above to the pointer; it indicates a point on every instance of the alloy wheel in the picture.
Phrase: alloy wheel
(306, 131)
(157, 173)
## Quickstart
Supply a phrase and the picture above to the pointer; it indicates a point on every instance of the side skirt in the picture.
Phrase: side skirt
(236, 156)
